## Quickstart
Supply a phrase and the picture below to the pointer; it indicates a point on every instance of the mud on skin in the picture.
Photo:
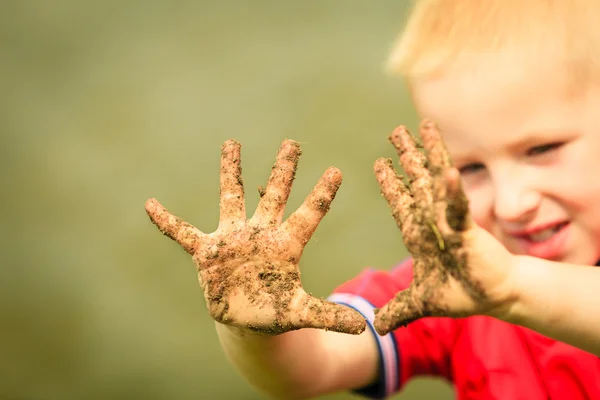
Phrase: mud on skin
(248, 268)
(431, 210)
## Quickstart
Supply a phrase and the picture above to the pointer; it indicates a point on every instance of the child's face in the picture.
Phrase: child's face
(529, 157)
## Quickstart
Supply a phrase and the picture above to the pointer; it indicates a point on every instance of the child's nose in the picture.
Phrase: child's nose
(515, 200)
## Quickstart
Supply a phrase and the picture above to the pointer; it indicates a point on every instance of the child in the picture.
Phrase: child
(514, 88)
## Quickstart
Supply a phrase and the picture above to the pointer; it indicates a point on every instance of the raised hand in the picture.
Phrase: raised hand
(248, 268)
(459, 269)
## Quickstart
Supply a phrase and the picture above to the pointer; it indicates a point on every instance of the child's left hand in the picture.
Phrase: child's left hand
(459, 268)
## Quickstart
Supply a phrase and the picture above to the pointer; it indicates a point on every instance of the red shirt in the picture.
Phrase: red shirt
(483, 357)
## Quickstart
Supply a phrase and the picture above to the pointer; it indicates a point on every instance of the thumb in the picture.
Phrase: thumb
(318, 313)
(400, 311)
(174, 227)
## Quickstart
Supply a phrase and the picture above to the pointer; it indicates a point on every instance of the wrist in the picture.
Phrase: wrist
(506, 301)
(524, 272)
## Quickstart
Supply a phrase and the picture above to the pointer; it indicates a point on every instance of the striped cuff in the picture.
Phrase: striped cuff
(388, 382)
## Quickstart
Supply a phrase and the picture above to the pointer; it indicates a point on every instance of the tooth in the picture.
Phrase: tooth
(543, 235)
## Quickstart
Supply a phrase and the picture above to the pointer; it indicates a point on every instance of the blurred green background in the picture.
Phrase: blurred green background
(104, 104)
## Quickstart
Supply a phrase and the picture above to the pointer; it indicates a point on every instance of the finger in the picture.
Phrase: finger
(304, 221)
(400, 200)
(414, 163)
(312, 312)
(400, 311)
(457, 211)
(438, 162)
(451, 205)
(272, 203)
(437, 155)
(174, 227)
(232, 188)
(437, 158)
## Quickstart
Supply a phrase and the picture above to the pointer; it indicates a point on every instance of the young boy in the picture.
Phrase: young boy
(514, 87)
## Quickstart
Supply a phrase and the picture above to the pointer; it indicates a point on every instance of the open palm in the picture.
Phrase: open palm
(248, 268)
(459, 268)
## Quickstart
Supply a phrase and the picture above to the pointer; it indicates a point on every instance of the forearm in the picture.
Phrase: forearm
(301, 364)
(561, 301)
(281, 366)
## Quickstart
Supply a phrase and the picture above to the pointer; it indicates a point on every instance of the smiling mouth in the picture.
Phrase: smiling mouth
(545, 234)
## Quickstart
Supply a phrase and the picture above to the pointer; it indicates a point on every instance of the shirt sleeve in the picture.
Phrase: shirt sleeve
(421, 348)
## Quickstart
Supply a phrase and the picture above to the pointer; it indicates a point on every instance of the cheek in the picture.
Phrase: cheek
(572, 184)
(480, 201)
(580, 199)
(573, 177)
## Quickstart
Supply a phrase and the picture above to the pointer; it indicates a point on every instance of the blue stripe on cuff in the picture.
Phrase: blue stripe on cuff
(388, 380)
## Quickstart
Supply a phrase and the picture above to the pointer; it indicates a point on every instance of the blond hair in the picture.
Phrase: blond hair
(439, 34)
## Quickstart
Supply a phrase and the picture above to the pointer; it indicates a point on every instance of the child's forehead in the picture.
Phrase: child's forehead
(491, 79)
(496, 104)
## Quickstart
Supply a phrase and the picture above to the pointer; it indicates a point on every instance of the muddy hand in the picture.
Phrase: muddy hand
(248, 268)
(432, 212)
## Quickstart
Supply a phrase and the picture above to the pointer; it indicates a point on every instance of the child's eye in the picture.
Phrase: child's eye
(471, 168)
(537, 150)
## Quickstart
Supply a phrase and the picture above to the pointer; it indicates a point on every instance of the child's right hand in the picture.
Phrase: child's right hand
(248, 268)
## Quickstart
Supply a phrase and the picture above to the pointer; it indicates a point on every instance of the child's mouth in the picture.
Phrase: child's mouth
(546, 233)
(547, 243)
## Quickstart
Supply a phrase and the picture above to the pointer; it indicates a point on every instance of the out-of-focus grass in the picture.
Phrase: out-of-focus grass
(105, 104)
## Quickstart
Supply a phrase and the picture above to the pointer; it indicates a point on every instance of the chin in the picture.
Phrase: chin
(580, 260)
